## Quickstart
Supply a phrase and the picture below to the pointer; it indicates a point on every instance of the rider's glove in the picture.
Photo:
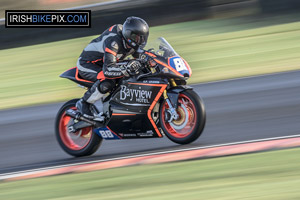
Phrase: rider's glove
(132, 68)
(124, 71)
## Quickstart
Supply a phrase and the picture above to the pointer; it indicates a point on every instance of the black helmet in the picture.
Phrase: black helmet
(135, 32)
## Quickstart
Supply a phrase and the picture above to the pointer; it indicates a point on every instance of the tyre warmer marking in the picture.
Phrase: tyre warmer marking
(163, 87)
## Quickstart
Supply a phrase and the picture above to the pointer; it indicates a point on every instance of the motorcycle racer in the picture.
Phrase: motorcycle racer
(99, 60)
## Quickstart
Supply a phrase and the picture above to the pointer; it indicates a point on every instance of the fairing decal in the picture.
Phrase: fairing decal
(163, 87)
(179, 65)
(106, 133)
(169, 67)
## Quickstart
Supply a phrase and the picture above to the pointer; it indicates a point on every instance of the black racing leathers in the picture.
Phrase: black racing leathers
(103, 53)
(100, 57)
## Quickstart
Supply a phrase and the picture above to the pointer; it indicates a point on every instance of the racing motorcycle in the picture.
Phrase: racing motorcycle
(155, 102)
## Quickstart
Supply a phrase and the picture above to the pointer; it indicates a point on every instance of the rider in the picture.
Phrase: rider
(98, 61)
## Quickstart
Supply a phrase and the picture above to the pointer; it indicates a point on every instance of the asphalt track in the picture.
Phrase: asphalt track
(237, 110)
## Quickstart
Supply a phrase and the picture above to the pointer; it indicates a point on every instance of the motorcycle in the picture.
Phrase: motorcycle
(153, 103)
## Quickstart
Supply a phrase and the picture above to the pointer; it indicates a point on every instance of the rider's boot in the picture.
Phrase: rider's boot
(90, 97)
(84, 108)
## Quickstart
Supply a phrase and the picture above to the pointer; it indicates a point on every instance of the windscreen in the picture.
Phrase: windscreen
(161, 47)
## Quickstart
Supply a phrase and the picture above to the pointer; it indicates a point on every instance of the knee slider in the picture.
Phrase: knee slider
(106, 86)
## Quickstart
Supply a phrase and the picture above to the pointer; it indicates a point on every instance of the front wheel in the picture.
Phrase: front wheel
(81, 143)
(190, 124)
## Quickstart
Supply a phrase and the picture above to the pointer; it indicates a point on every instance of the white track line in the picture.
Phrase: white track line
(27, 172)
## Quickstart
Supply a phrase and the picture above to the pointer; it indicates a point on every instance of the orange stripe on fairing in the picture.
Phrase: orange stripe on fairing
(110, 51)
(163, 87)
(111, 28)
(187, 65)
(118, 114)
(151, 108)
(79, 79)
(170, 68)
(150, 54)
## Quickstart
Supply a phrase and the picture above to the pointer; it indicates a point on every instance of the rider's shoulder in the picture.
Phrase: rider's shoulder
(114, 42)
(116, 28)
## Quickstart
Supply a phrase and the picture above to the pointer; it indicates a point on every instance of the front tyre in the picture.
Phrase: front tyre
(190, 124)
(82, 143)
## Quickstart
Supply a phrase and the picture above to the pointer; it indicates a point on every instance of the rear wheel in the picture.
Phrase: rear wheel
(190, 124)
(81, 143)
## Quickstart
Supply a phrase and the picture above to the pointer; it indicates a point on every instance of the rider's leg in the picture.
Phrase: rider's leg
(95, 93)
(90, 97)
(89, 71)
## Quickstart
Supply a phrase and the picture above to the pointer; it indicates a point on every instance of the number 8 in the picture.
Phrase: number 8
(179, 64)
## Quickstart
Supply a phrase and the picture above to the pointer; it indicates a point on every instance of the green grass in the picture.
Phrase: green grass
(215, 49)
(270, 175)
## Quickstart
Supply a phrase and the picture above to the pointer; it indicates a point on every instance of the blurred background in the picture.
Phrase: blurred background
(220, 39)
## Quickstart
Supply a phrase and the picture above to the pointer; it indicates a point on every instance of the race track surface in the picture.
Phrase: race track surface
(237, 110)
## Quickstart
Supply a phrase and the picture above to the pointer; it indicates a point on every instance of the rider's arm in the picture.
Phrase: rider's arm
(110, 68)
(137, 53)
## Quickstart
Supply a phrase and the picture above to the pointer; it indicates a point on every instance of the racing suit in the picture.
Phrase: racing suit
(98, 62)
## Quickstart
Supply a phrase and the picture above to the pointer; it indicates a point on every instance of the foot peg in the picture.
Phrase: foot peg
(100, 117)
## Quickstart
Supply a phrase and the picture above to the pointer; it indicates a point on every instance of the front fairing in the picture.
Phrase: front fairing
(170, 62)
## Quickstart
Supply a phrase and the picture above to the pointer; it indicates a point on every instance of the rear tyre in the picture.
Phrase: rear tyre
(82, 143)
(190, 124)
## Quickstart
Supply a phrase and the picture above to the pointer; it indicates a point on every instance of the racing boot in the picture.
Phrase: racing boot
(90, 97)
(84, 108)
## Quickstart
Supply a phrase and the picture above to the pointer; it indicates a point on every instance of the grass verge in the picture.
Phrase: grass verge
(215, 49)
(268, 175)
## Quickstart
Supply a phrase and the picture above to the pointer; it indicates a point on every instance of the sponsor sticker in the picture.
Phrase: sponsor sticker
(147, 134)
(105, 133)
(135, 94)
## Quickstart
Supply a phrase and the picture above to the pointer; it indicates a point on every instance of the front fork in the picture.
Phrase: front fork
(172, 111)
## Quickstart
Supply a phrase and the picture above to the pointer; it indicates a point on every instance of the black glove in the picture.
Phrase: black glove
(132, 68)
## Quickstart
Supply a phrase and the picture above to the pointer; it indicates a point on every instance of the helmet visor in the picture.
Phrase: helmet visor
(138, 39)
